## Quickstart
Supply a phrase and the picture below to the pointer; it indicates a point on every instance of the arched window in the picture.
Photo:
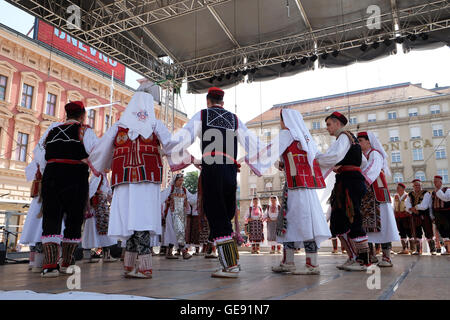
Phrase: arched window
(398, 177)
(420, 175)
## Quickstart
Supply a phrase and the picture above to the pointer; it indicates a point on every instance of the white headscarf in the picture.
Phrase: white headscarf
(270, 201)
(375, 143)
(293, 120)
(139, 116)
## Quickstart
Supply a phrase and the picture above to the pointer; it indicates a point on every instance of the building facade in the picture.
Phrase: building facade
(35, 84)
(411, 122)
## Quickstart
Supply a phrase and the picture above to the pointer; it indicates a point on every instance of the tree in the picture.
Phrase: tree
(191, 181)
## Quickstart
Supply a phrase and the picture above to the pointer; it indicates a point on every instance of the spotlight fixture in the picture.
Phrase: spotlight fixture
(253, 71)
(228, 76)
(412, 37)
(364, 47)
(303, 60)
(324, 55)
(313, 58)
(293, 62)
(220, 78)
(375, 45)
(211, 80)
(335, 53)
(399, 40)
(424, 36)
(245, 72)
(387, 42)
(236, 74)
(284, 64)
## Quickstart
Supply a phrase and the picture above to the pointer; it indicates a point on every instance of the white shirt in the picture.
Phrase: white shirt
(372, 170)
(444, 196)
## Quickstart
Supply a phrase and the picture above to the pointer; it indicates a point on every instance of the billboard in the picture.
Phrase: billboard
(63, 42)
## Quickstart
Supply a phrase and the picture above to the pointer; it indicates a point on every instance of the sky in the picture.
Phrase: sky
(427, 67)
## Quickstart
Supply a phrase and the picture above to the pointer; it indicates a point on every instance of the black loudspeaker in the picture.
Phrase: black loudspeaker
(2, 253)
(78, 254)
(116, 251)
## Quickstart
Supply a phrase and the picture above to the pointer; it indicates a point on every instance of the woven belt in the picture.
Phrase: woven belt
(348, 169)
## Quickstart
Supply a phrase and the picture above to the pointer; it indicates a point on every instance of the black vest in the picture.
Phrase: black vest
(417, 201)
(66, 142)
(354, 154)
(219, 136)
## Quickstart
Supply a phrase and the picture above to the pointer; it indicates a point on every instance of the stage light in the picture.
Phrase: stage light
(228, 76)
(211, 80)
(375, 45)
(324, 55)
(236, 73)
(387, 42)
(253, 71)
(335, 53)
(399, 40)
(313, 58)
(303, 60)
(284, 64)
(293, 62)
(219, 78)
(412, 37)
(245, 72)
(424, 36)
(363, 47)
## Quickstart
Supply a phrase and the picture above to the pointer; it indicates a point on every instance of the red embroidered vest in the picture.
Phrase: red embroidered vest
(380, 186)
(136, 161)
(298, 171)
(438, 204)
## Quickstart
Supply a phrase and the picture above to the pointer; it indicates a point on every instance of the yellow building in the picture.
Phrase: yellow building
(411, 122)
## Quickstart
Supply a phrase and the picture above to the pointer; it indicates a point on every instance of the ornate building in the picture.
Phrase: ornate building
(411, 122)
(35, 84)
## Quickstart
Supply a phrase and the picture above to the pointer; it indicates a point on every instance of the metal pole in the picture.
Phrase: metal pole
(111, 99)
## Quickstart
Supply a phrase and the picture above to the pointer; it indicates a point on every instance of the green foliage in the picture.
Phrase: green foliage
(191, 181)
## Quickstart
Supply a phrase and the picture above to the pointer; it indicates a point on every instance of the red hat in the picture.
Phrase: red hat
(438, 177)
(416, 180)
(363, 135)
(215, 93)
(339, 116)
(401, 185)
(74, 106)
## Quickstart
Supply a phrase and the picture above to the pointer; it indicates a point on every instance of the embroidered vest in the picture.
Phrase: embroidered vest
(136, 161)
(438, 204)
(297, 169)
(380, 186)
(170, 203)
(251, 216)
(354, 154)
(219, 139)
(417, 200)
(400, 207)
(66, 142)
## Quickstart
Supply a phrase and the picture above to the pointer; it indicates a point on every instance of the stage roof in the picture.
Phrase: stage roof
(218, 42)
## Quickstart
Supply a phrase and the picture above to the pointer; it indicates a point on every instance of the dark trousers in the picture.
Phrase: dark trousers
(65, 190)
(404, 227)
(346, 199)
(443, 223)
(219, 197)
(423, 222)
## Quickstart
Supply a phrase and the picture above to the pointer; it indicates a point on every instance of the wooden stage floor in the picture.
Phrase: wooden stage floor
(412, 277)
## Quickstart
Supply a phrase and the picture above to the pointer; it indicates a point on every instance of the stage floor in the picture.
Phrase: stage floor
(412, 277)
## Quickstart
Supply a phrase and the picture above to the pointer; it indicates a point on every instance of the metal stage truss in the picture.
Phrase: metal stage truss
(241, 36)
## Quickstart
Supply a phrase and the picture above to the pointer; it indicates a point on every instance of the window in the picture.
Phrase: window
(396, 157)
(91, 119)
(444, 174)
(252, 190)
(415, 132)
(316, 124)
(51, 104)
(393, 135)
(106, 122)
(398, 177)
(440, 153)
(413, 112)
(3, 82)
(27, 96)
(435, 109)
(371, 117)
(418, 154)
(420, 175)
(392, 115)
(22, 145)
(268, 186)
(353, 120)
(438, 130)
(267, 136)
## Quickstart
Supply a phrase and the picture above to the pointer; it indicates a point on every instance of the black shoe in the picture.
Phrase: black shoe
(50, 273)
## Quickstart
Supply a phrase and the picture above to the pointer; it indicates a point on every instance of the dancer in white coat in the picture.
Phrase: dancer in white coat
(378, 215)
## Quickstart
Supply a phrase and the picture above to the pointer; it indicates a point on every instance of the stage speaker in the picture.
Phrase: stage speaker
(2, 253)
(116, 251)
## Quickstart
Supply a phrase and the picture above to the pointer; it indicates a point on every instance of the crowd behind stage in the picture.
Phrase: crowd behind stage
(99, 192)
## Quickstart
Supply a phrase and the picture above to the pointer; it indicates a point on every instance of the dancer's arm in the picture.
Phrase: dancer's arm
(444, 196)
(334, 154)
(426, 202)
(101, 155)
(373, 167)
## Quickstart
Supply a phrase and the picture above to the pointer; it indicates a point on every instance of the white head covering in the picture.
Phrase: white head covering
(139, 116)
(259, 202)
(293, 120)
(375, 143)
(270, 201)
